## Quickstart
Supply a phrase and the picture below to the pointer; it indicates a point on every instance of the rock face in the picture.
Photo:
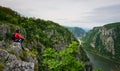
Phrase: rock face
(13, 61)
(107, 37)
(105, 40)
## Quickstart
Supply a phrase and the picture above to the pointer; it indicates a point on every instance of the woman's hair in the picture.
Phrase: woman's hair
(17, 31)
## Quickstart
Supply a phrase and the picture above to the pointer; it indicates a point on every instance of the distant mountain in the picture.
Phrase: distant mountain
(104, 40)
(87, 29)
(77, 31)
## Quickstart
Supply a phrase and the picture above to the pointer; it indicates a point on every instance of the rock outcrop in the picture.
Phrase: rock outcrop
(12, 59)
(20, 66)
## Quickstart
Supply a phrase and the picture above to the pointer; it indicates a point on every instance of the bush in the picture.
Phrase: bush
(63, 60)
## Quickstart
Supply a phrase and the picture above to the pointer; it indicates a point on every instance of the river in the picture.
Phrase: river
(103, 63)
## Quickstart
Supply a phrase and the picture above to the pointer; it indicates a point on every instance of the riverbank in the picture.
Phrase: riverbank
(105, 57)
(99, 61)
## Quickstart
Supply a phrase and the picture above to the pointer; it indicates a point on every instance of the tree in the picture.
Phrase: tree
(63, 60)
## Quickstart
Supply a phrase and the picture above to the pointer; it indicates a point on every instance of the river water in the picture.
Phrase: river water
(103, 63)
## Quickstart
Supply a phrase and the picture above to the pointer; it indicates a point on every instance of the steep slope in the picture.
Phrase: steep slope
(104, 40)
(77, 31)
(47, 32)
(39, 34)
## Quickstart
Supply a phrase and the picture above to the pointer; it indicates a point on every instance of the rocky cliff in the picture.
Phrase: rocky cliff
(105, 40)
(13, 59)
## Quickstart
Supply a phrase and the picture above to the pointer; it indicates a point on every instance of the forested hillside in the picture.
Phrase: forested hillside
(39, 35)
(104, 40)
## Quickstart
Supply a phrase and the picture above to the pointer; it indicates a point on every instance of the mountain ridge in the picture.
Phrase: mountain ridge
(104, 40)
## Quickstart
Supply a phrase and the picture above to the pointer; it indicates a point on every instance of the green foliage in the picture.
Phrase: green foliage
(111, 25)
(2, 66)
(50, 53)
(12, 52)
(33, 52)
(6, 14)
(25, 56)
(63, 60)
(97, 69)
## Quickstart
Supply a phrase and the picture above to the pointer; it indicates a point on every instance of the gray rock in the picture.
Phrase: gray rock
(12, 63)
(11, 58)
(16, 47)
(20, 66)
(3, 55)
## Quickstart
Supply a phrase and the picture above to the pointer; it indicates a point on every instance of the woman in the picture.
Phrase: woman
(18, 37)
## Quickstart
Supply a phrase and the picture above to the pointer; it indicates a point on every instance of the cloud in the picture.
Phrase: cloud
(105, 14)
(85, 13)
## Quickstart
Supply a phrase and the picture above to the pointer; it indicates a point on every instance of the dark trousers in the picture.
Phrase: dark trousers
(20, 41)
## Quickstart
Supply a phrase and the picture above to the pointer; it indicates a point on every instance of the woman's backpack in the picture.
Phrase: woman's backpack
(13, 37)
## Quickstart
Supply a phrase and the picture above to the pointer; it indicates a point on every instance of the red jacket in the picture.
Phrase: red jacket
(18, 36)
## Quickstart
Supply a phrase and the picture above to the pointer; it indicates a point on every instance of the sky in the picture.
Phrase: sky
(73, 13)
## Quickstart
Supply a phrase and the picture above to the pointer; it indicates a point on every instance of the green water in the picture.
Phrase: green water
(103, 63)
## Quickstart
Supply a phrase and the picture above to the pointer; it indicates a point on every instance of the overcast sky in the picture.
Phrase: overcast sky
(80, 13)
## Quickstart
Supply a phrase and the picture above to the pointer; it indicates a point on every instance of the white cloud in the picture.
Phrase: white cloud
(83, 13)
